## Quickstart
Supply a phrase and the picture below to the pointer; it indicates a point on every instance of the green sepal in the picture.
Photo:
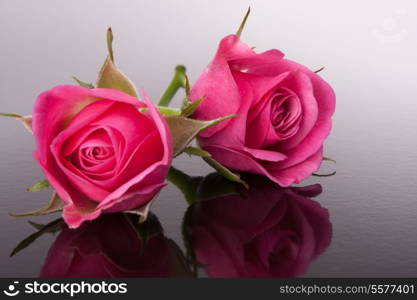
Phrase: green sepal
(26, 120)
(37, 226)
(225, 171)
(184, 130)
(329, 159)
(242, 25)
(164, 110)
(10, 115)
(55, 204)
(187, 85)
(110, 76)
(319, 70)
(189, 107)
(82, 83)
(186, 184)
(48, 228)
(142, 211)
(39, 186)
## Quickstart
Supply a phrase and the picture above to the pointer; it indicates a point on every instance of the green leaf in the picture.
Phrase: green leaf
(10, 115)
(189, 107)
(242, 25)
(39, 186)
(224, 171)
(196, 151)
(50, 227)
(82, 83)
(110, 76)
(55, 204)
(215, 185)
(184, 130)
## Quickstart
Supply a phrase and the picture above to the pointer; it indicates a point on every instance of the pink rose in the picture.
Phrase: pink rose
(111, 246)
(266, 231)
(284, 112)
(98, 151)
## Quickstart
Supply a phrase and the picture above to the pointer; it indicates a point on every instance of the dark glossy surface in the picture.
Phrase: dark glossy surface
(372, 199)
(228, 231)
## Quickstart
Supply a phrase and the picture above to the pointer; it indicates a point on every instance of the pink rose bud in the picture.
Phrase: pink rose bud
(98, 151)
(284, 112)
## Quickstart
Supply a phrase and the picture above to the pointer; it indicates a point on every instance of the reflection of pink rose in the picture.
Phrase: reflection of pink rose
(268, 231)
(111, 247)
(284, 112)
(98, 151)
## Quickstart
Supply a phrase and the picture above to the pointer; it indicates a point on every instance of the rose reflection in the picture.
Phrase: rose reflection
(115, 246)
(266, 231)
(230, 231)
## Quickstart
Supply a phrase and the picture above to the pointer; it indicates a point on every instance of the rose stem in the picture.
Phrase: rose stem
(177, 82)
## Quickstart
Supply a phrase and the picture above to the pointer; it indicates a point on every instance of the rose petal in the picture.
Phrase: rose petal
(265, 154)
(234, 134)
(296, 173)
(219, 99)
(301, 85)
(237, 160)
(325, 98)
(74, 216)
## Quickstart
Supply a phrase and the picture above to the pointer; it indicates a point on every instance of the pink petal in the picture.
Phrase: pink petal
(234, 134)
(219, 99)
(217, 85)
(236, 160)
(266, 155)
(301, 85)
(74, 216)
(297, 173)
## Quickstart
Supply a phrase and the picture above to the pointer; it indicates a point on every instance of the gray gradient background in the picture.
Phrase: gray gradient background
(368, 48)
